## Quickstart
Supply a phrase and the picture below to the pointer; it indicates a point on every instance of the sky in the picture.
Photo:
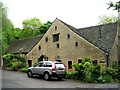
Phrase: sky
(78, 13)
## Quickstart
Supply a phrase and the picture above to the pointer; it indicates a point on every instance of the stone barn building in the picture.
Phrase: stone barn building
(63, 42)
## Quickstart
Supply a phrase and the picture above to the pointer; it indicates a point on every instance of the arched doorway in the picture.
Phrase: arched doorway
(57, 58)
(43, 58)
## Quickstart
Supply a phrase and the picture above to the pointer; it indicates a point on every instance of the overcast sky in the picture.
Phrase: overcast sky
(78, 13)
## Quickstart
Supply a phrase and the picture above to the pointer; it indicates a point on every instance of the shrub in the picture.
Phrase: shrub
(24, 69)
(13, 62)
(16, 65)
(7, 59)
(68, 75)
(72, 75)
(110, 71)
(85, 70)
(105, 79)
(89, 72)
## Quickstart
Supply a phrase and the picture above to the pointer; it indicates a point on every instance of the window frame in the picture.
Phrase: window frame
(55, 37)
(95, 62)
(68, 36)
(76, 44)
(79, 60)
(69, 64)
(55, 27)
(58, 45)
(39, 47)
(46, 39)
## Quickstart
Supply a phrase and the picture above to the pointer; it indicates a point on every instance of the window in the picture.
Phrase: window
(114, 62)
(102, 61)
(39, 47)
(55, 27)
(57, 45)
(79, 61)
(48, 64)
(55, 37)
(76, 44)
(58, 60)
(38, 65)
(69, 64)
(46, 39)
(68, 36)
(95, 62)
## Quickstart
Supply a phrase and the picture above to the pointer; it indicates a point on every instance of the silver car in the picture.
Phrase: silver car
(48, 69)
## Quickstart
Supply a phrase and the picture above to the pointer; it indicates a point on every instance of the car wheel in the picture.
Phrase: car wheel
(46, 76)
(29, 73)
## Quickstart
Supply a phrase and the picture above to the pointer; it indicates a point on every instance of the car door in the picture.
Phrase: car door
(42, 68)
(34, 68)
(37, 68)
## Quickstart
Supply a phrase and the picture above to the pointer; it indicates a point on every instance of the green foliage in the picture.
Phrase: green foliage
(89, 72)
(16, 65)
(44, 27)
(115, 6)
(105, 79)
(7, 59)
(7, 27)
(110, 71)
(32, 24)
(13, 62)
(72, 75)
(24, 69)
(31, 27)
(107, 19)
(68, 75)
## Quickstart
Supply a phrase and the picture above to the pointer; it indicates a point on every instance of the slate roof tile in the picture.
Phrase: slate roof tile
(102, 36)
(25, 44)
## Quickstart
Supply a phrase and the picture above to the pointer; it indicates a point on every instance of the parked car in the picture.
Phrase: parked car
(48, 69)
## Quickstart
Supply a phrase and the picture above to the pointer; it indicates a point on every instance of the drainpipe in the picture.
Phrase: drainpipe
(118, 36)
(107, 59)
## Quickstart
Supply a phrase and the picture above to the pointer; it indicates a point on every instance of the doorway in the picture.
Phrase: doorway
(29, 63)
(43, 58)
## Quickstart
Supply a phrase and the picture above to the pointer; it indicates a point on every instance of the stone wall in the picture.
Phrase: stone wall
(67, 51)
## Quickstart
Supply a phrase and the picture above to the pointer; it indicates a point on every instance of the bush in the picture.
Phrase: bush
(72, 75)
(88, 72)
(24, 69)
(16, 65)
(105, 79)
(68, 75)
(13, 62)
(7, 59)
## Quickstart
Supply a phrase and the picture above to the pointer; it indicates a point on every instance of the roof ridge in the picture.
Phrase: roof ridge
(27, 38)
(97, 31)
(68, 25)
(96, 25)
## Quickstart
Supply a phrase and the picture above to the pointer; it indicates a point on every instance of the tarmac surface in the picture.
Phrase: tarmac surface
(13, 79)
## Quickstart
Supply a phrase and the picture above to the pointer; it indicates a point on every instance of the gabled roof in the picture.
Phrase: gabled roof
(102, 36)
(24, 45)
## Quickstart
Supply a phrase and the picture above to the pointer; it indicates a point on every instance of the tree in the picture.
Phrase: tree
(7, 27)
(115, 6)
(107, 19)
(33, 27)
(32, 24)
(45, 27)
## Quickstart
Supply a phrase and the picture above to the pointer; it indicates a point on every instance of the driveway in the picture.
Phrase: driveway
(12, 79)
